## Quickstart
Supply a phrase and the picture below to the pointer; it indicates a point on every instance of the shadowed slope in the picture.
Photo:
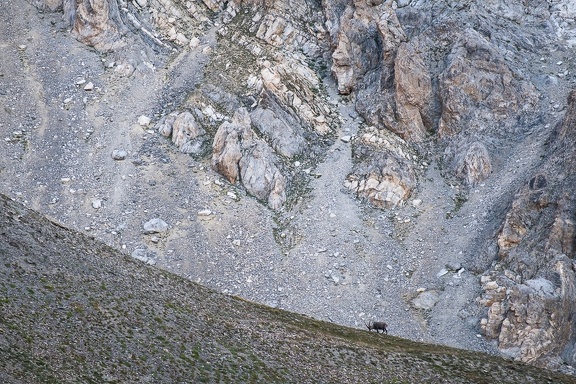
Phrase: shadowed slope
(74, 310)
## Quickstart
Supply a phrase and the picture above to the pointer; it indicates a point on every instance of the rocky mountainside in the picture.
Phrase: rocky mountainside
(406, 160)
(75, 310)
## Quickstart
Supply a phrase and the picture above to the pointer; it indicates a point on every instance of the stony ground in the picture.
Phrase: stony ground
(75, 310)
(329, 255)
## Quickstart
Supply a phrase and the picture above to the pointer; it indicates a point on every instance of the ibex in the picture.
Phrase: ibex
(377, 326)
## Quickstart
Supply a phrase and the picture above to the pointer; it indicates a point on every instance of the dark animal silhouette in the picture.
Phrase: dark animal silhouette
(378, 325)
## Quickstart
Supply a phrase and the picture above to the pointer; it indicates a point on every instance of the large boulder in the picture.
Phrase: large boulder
(240, 156)
(469, 161)
(186, 133)
(384, 172)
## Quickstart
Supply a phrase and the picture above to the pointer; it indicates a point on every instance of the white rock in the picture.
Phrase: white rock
(194, 42)
(172, 33)
(155, 225)
(89, 86)
(204, 212)
(181, 38)
(442, 272)
(346, 139)
(491, 285)
(124, 69)
(485, 279)
(119, 154)
(96, 203)
(416, 202)
(144, 120)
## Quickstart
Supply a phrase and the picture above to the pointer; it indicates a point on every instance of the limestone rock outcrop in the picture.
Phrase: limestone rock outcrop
(94, 26)
(478, 89)
(282, 135)
(531, 314)
(366, 42)
(413, 93)
(240, 156)
(384, 171)
(96, 23)
(185, 131)
(423, 79)
(481, 99)
(293, 86)
(469, 162)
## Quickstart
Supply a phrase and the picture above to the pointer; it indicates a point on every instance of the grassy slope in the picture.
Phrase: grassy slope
(74, 310)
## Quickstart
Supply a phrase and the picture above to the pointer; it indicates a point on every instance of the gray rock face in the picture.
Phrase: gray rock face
(477, 76)
(280, 132)
(451, 82)
(531, 316)
(414, 95)
(481, 99)
(367, 34)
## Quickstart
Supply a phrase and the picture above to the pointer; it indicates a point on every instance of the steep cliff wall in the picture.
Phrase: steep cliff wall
(530, 291)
